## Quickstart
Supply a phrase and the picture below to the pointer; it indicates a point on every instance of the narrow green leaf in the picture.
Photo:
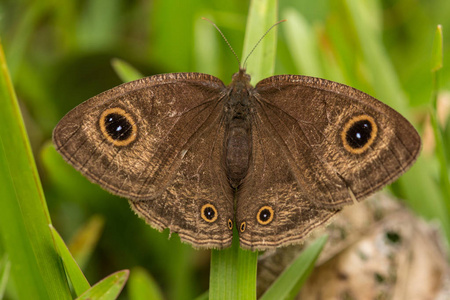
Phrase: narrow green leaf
(108, 288)
(437, 52)
(261, 16)
(222, 277)
(365, 20)
(85, 240)
(204, 296)
(76, 276)
(98, 26)
(5, 269)
(125, 71)
(36, 269)
(142, 286)
(288, 284)
(206, 47)
(302, 44)
(233, 270)
(442, 153)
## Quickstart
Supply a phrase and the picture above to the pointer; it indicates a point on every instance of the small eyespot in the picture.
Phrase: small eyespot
(118, 126)
(359, 134)
(209, 213)
(243, 226)
(265, 215)
(230, 224)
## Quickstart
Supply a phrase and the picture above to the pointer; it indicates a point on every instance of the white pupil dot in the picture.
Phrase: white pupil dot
(119, 128)
(358, 135)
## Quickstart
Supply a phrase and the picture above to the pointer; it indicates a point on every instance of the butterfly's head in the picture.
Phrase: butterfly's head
(241, 79)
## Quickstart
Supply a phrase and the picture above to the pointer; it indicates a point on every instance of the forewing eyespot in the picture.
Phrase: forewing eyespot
(359, 133)
(118, 126)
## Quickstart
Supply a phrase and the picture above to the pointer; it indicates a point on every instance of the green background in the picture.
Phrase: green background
(60, 53)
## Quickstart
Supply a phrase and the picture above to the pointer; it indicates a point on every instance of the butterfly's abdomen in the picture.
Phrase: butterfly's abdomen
(237, 153)
(238, 139)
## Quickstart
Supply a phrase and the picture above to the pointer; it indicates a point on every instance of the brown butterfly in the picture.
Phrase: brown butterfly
(197, 157)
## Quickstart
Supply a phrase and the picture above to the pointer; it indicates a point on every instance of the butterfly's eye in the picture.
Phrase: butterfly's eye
(359, 133)
(243, 226)
(230, 224)
(209, 213)
(118, 126)
(264, 215)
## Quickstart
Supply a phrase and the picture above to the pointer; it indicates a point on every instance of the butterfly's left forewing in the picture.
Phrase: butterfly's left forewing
(157, 141)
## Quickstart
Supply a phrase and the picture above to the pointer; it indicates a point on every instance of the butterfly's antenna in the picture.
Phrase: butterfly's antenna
(259, 41)
(232, 50)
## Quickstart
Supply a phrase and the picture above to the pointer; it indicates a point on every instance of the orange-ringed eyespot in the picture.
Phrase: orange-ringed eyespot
(265, 215)
(243, 226)
(209, 213)
(230, 224)
(118, 126)
(359, 133)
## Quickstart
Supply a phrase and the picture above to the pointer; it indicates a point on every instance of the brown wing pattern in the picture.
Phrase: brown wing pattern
(169, 114)
(301, 167)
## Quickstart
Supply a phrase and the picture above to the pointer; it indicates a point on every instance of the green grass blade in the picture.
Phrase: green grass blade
(5, 270)
(222, 277)
(85, 240)
(262, 14)
(36, 269)
(233, 271)
(441, 153)
(437, 55)
(383, 77)
(125, 71)
(76, 276)
(142, 286)
(288, 284)
(302, 44)
(108, 288)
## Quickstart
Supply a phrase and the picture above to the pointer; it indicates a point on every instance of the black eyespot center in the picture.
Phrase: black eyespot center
(243, 226)
(118, 126)
(265, 215)
(230, 224)
(359, 133)
(209, 213)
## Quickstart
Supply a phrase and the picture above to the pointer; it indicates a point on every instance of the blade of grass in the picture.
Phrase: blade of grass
(36, 269)
(108, 288)
(125, 71)
(233, 271)
(288, 284)
(441, 152)
(365, 19)
(142, 286)
(5, 269)
(79, 282)
(262, 14)
(86, 239)
(302, 44)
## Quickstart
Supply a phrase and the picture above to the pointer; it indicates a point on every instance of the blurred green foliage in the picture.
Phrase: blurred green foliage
(60, 53)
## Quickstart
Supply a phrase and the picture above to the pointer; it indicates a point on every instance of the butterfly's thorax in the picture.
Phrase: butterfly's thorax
(237, 117)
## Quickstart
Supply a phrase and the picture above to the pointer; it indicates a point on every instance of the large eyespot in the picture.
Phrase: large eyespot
(230, 224)
(243, 226)
(118, 126)
(264, 215)
(209, 213)
(359, 133)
